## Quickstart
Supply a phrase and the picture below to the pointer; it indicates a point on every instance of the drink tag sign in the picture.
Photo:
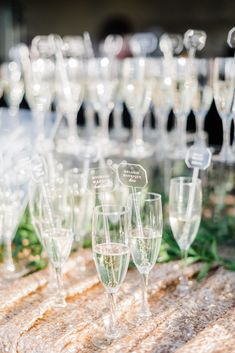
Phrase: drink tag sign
(198, 156)
(231, 38)
(132, 175)
(194, 38)
(101, 179)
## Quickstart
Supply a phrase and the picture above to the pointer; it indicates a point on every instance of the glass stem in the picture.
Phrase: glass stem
(184, 255)
(200, 120)
(137, 131)
(60, 300)
(117, 116)
(181, 124)
(112, 328)
(8, 262)
(72, 124)
(13, 111)
(162, 127)
(39, 119)
(226, 135)
(90, 118)
(144, 311)
(104, 124)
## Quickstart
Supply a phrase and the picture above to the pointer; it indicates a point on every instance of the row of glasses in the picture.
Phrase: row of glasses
(180, 84)
(116, 235)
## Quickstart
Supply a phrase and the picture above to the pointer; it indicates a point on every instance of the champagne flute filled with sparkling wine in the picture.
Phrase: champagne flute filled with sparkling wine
(111, 254)
(184, 228)
(145, 240)
(57, 222)
(223, 88)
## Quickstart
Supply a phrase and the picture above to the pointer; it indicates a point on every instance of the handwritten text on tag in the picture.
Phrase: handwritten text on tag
(132, 175)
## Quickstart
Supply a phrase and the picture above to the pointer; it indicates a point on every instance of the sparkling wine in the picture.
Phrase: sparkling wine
(184, 230)
(202, 99)
(58, 243)
(145, 246)
(162, 95)
(223, 95)
(14, 93)
(183, 91)
(111, 261)
(137, 96)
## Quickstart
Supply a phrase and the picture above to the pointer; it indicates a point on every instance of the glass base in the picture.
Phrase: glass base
(138, 318)
(225, 156)
(14, 272)
(184, 286)
(119, 134)
(102, 340)
(138, 151)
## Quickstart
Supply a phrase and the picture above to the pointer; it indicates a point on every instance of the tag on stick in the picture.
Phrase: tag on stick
(231, 38)
(101, 179)
(194, 40)
(198, 157)
(132, 175)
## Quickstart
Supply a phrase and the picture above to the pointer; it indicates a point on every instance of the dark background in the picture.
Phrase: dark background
(21, 20)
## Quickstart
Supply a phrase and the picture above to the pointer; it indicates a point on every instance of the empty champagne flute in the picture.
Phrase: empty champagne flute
(203, 94)
(145, 240)
(110, 248)
(184, 228)
(223, 87)
(102, 86)
(137, 90)
(39, 88)
(69, 97)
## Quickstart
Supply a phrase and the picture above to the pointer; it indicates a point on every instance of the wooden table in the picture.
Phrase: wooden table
(202, 321)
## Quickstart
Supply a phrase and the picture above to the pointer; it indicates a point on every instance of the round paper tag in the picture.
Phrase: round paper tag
(198, 157)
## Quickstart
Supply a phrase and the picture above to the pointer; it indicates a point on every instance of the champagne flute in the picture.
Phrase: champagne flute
(110, 248)
(162, 99)
(145, 240)
(83, 208)
(57, 220)
(14, 195)
(36, 217)
(39, 90)
(184, 229)
(13, 86)
(137, 90)
(183, 85)
(102, 86)
(203, 95)
(69, 99)
(223, 86)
